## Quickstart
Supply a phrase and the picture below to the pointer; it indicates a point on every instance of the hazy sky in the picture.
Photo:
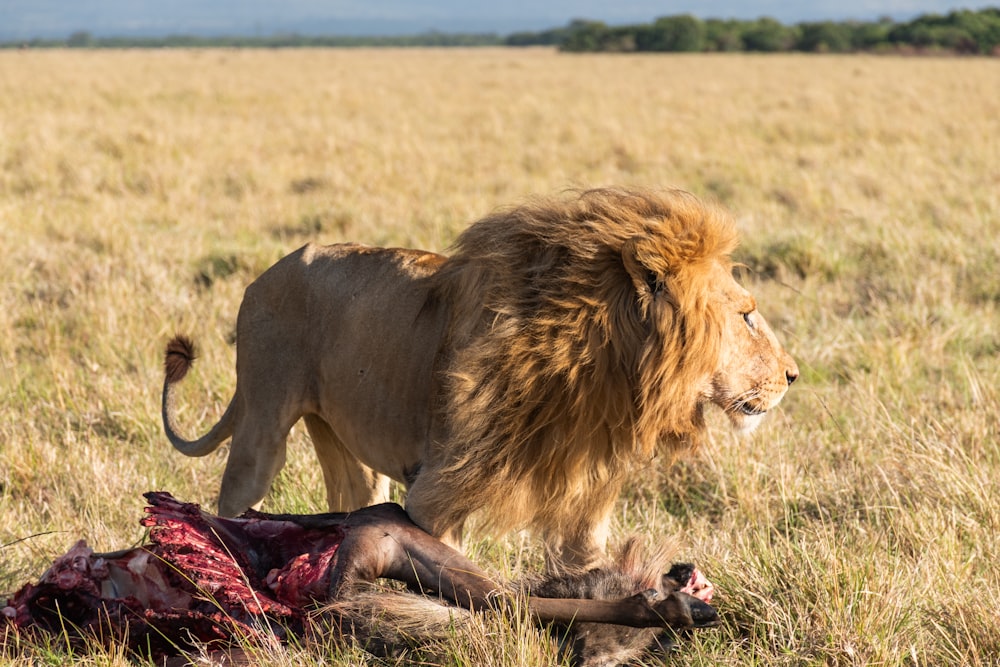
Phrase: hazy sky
(24, 19)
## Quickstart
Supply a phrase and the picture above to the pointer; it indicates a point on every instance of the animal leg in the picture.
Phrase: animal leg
(350, 484)
(382, 542)
(256, 456)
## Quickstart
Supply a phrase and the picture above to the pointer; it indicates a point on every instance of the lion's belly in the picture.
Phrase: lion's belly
(385, 430)
(376, 340)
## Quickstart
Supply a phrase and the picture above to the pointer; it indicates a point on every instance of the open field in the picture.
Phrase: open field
(141, 191)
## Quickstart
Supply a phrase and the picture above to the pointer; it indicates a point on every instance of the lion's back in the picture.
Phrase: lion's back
(356, 329)
(345, 282)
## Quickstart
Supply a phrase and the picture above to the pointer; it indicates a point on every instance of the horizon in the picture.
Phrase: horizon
(55, 19)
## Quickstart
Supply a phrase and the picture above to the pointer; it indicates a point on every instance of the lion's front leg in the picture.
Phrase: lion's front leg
(423, 505)
(582, 547)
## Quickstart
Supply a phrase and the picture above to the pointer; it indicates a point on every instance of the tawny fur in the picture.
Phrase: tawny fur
(564, 344)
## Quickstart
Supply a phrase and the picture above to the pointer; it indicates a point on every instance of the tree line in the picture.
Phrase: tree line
(962, 31)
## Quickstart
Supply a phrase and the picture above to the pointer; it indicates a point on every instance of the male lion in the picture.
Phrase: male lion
(564, 344)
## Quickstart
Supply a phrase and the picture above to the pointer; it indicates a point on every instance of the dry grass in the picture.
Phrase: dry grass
(141, 191)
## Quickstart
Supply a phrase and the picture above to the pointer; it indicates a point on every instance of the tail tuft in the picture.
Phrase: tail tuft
(180, 355)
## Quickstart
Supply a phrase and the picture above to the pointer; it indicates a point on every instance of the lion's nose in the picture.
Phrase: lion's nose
(792, 375)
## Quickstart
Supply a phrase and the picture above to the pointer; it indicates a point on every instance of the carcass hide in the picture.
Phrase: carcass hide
(206, 579)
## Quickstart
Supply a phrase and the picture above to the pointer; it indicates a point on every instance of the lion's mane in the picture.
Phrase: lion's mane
(579, 328)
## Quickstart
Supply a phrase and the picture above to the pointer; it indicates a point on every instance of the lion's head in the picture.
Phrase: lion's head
(589, 335)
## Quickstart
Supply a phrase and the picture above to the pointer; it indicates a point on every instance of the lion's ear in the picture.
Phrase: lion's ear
(636, 270)
(646, 279)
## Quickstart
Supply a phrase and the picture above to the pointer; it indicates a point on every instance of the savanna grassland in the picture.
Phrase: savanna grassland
(141, 191)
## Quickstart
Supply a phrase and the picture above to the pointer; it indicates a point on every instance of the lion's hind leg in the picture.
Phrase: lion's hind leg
(256, 456)
(350, 484)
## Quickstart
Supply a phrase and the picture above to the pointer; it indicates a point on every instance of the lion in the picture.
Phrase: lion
(564, 344)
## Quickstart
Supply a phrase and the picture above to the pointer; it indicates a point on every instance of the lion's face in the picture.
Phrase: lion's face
(754, 371)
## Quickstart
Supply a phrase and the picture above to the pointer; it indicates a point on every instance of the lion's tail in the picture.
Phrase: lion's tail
(180, 355)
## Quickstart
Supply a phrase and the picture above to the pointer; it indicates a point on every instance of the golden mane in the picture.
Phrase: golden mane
(568, 372)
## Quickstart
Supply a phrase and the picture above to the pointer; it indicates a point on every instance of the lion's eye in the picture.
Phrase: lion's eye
(748, 318)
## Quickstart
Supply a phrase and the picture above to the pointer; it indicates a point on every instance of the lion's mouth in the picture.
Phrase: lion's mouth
(749, 410)
(745, 417)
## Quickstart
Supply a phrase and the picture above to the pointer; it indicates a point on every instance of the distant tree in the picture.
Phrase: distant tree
(673, 33)
(869, 36)
(981, 30)
(767, 34)
(824, 37)
(724, 35)
(621, 40)
(584, 35)
(918, 32)
(955, 39)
